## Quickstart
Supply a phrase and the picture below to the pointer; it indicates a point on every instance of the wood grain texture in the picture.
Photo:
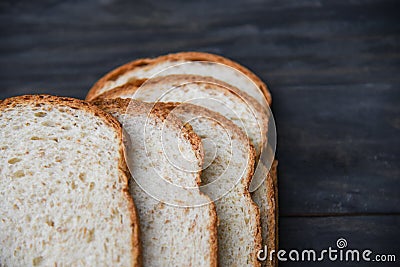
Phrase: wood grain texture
(380, 234)
(332, 67)
(340, 144)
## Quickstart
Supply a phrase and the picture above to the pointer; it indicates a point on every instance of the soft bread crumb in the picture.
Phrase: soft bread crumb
(51, 215)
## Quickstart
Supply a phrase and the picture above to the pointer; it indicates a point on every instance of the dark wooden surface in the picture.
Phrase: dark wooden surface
(332, 67)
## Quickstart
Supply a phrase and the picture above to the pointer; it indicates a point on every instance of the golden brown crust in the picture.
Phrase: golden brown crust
(213, 228)
(274, 175)
(187, 56)
(272, 217)
(39, 100)
(131, 87)
(162, 111)
(256, 209)
(128, 88)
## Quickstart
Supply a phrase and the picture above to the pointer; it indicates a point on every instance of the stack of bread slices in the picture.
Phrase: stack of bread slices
(155, 168)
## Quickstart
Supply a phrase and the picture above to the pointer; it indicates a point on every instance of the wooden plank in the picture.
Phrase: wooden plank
(379, 234)
(58, 44)
(332, 68)
(338, 149)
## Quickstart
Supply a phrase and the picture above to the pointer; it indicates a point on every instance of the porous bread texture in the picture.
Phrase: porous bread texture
(183, 88)
(239, 233)
(227, 70)
(171, 235)
(64, 194)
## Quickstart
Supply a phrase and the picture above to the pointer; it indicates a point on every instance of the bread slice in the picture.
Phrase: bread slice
(218, 96)
(63, 189)
(274, 207)
(179, 224)
(269, 208)
(228, 169)
(223, 69)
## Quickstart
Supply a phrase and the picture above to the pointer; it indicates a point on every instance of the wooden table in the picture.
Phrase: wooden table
(332, 67)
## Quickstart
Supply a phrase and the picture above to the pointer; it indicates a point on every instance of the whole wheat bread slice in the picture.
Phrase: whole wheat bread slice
(171, 235)
(267, 195)
(199, 65)
(248, 115)
(176, 64)
(229, 166)
(63, 188)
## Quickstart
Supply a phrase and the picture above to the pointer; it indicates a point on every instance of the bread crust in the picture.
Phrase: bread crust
(161, 111)
(132, 86)
(188, 56)
(38, 100)
(272, 218)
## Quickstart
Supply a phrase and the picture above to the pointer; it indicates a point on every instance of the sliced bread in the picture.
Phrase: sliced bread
(267, 195)
(229, 165)
(204, 64)
(213, 94)
(178, 222)
(63, 188)
(233, 104)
